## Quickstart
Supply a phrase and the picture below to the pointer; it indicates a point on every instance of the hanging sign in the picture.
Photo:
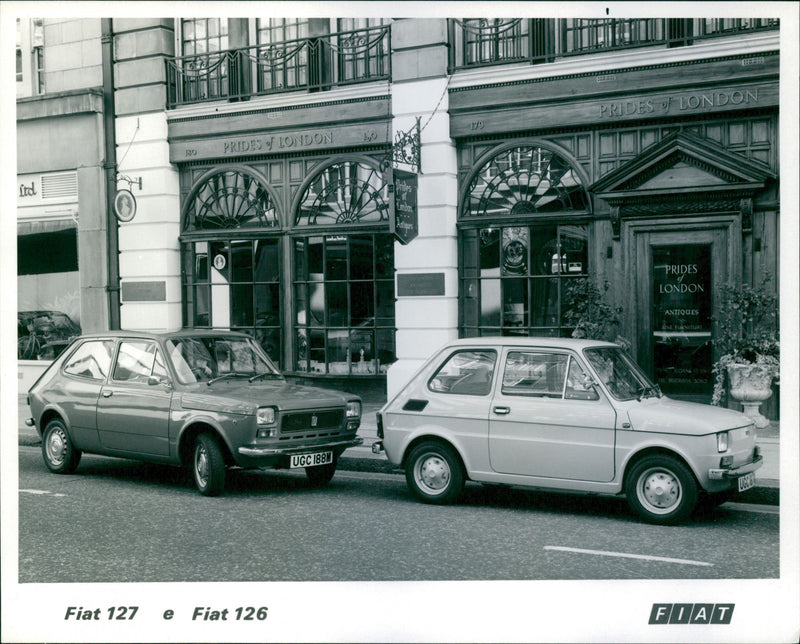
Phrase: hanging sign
(404, 211)
(124, 205)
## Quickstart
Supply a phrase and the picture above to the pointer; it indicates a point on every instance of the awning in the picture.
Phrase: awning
(47, 226)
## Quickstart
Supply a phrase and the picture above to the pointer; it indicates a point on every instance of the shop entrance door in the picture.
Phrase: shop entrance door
(678, 275)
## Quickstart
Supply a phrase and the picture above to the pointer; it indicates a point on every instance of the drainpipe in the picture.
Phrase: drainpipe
(110, 166)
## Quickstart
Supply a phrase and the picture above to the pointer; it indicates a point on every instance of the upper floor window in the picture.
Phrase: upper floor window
(203, 42)
(30, 57)
(490, 41)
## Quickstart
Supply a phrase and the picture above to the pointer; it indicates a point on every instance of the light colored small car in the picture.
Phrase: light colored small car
(562, 414)
(208, 400)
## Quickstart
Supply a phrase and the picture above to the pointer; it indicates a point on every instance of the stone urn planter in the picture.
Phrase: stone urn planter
(751, 384)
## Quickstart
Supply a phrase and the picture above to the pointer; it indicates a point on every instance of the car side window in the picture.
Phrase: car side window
(579, 385)
(465, 372)
(91, 360)
(137, 361)
(531, 373)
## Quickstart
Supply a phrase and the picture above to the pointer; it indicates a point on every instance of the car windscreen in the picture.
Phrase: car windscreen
(204, 358)
(618, 372)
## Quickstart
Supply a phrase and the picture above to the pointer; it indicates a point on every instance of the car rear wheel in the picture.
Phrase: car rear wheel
(321, 474)
(60, 455)
(434, 473)
(661, 490)
(208, 465)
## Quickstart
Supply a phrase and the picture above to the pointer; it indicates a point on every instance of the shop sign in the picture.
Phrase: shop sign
(125, 205)
(682, 317)
(489, 119)
(405, 220)
(274, 143)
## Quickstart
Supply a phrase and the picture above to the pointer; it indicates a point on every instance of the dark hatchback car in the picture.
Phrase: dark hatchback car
(204, 399)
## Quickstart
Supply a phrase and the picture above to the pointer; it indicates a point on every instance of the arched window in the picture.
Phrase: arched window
(348, 192)
(232, 198)
(232, 257)
(343, 259)
(524, 237)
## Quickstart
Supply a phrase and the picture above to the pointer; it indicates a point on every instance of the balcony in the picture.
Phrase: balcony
(481, 42)
(310, 64)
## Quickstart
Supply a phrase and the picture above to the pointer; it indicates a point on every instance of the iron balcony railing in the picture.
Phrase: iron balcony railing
(314, 63)
(480, 42)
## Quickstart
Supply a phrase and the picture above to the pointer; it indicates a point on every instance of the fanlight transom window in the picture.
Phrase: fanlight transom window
(231, 199)
(525, 180)
(346, 192)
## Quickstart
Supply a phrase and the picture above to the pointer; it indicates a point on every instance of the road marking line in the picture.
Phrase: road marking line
(605, 553)
(42, 492)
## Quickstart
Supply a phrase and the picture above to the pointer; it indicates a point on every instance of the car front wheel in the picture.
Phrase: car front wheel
(60, 455)
(661, 490)
(434, 473)
(208, 465)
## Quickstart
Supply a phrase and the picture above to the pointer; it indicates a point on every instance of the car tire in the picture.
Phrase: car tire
(60, 455)
(661, 490)
(320, 475)
(208, 465)
(434, 473)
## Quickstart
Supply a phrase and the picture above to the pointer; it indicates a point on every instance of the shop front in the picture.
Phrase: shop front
(296, 250)
(660, 195)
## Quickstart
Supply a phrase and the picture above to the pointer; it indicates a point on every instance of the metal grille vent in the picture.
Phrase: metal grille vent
(60, 186)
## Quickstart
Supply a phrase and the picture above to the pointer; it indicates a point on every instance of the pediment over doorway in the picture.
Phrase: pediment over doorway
(682, 174)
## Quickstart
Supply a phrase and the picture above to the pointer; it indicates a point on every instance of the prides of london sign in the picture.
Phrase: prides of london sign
(182, 150)
(683, 103)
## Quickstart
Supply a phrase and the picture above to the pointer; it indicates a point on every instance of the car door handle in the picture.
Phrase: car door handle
(107, 393)
(502, 411)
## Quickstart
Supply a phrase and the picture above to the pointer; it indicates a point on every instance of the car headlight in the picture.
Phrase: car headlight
(353, 409)
(722, 442)
(265, 415)
(265, 419)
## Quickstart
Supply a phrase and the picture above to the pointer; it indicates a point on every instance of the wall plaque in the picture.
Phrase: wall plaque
(144, 291)
(420, 284)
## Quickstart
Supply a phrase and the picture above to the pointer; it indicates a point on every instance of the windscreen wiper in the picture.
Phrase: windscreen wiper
(265, 374)
(230, 374)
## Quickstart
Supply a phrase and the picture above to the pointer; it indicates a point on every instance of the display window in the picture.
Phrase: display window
(522, 240)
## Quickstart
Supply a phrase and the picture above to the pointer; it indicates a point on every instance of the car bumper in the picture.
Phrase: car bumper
(277, 452)
(717, 474)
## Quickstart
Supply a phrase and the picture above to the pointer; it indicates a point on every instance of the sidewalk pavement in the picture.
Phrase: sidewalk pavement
(361, 458)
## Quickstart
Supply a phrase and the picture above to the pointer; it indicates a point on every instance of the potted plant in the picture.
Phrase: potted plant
(591, 316)
(747, 347)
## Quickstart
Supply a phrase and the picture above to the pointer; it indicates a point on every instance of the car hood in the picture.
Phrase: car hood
(244, 397)
(667, 415)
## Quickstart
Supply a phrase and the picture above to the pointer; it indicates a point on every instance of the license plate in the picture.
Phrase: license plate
(310, 460)
(747, 481)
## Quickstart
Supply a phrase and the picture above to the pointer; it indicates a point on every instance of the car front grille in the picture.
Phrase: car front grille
(327, 422)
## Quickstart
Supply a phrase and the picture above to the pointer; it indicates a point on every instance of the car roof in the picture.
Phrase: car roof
(162, 335)
(577, 344)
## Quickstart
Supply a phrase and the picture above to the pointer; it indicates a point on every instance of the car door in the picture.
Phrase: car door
(83, 375)
(548, 420)
(133, 411)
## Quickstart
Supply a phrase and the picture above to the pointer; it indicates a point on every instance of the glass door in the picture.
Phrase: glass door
(681, 318)
(676, 274)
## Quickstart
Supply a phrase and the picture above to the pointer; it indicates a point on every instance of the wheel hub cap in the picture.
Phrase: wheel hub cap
(434, 473)
(55, 447)
(201, 464)
(661, 489)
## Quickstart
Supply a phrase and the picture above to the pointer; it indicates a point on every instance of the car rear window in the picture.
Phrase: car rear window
(465, 372)
(91, 360)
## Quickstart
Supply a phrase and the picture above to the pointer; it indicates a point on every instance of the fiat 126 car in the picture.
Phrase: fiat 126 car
(562, 414)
